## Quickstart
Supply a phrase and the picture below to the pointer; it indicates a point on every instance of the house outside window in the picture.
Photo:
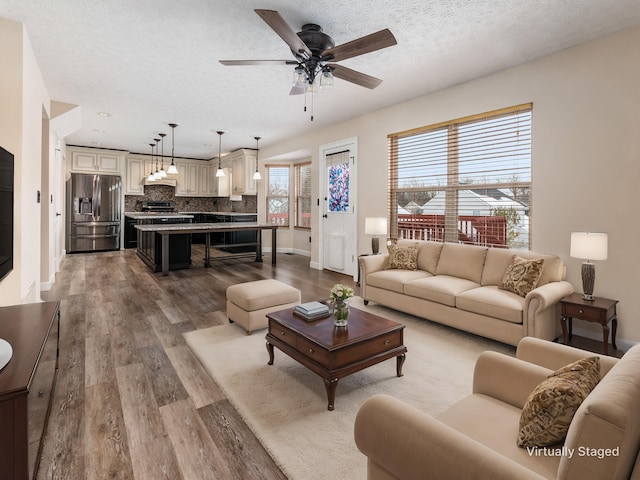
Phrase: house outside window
(277, 182)
(303, 195)
(464, 181)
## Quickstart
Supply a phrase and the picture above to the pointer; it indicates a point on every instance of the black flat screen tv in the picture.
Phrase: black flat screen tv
(6, 212)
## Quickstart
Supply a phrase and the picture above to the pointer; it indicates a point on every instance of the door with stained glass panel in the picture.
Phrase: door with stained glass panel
(339, 216)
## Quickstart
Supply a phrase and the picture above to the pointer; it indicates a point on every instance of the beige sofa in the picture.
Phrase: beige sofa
(476, 437)
(457, 285)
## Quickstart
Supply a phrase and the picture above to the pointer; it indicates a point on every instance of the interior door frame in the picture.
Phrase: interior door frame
(350, 144)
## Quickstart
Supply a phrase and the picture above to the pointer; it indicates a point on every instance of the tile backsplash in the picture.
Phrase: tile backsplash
(133, 203)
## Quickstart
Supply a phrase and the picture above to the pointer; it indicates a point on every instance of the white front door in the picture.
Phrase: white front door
(338, 196)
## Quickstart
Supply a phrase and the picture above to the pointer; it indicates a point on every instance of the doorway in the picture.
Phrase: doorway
(338, 194)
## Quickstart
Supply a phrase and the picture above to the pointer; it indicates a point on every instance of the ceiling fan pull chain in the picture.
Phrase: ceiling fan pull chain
(312, 106)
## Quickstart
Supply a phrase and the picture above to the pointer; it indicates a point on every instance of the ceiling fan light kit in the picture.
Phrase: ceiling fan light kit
(314, 50)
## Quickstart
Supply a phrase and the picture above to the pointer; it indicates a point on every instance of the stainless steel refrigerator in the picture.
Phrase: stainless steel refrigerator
(94, 205)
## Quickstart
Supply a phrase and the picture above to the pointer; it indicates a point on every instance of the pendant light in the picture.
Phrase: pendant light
(162, 172)
(157, 175)
(256, 174)
(220, 172)
(151, 177)
(173, 170)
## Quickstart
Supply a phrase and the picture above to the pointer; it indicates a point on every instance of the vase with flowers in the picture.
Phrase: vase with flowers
(340, 295)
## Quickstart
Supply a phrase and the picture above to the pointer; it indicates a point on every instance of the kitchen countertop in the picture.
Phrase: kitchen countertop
(204, 227)
(138, 215)
(231, 214)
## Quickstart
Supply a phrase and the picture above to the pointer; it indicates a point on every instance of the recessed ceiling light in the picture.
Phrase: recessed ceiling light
(104, 114)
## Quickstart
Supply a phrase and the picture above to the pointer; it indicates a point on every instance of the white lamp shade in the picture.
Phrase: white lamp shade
(172, 169)
(589, 245)
(375, 226)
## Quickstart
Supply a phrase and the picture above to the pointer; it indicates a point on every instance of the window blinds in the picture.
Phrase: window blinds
(466, 180)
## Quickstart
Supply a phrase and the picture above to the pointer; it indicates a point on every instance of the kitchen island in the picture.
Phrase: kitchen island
(166, 231)
(149, 247)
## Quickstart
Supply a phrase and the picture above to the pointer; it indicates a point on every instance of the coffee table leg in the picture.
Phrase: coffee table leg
(330, 386)
(270, 350)
(399, 362)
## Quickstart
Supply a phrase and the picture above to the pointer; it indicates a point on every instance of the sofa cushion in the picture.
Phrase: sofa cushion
(607, 419)
(550, 408)
(428, 254)
(499, 259)
(492, 302)
(462, 261)
(403, 257)
(494, 424)
(440, 288)
(522, 275)
(394, 279)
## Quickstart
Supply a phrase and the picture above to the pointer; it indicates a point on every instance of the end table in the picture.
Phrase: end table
(600, 310)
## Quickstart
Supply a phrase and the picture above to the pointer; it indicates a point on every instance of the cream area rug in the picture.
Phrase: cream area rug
(285, 404)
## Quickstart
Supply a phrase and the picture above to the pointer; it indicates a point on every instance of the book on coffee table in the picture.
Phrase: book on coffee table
(312, 308)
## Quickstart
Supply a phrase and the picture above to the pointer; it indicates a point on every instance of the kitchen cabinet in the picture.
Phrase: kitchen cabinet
(88, 160)
(243, 165)
(27, 384)
(135, 173)
(130, 232)
(196, 179)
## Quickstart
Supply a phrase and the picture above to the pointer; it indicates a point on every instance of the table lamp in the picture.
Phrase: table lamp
(588, 246)
(375, 226)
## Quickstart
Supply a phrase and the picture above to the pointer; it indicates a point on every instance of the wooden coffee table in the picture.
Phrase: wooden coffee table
(335, 352)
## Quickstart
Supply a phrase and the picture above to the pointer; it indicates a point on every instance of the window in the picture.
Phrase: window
(303, 195)
(278, 194)
(467, 180)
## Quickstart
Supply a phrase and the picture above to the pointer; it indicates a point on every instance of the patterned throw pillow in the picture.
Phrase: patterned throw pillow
(405, 257)
(548, 412)
(522, 275)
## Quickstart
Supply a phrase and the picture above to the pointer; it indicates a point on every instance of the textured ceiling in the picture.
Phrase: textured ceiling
(152, 62)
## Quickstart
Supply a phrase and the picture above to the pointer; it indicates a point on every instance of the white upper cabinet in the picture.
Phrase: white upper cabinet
(93, 160)
(136, 172)
(243, 164)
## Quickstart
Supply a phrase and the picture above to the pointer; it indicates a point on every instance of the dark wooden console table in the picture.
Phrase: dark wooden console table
(27, 383)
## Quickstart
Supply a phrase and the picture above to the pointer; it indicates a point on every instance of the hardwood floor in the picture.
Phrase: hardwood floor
(132, 402)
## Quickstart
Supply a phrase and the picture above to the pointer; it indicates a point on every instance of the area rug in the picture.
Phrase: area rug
(285, 404)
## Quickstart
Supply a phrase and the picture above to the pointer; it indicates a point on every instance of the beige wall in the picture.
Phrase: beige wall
(24, 101)
(586, 154)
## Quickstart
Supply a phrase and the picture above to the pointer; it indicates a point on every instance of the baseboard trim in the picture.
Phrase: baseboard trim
(621, 343)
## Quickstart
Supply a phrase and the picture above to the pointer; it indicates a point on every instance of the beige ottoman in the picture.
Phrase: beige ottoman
(248, 303)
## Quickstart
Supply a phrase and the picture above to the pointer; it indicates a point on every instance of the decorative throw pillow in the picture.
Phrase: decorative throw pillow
(522, 275)
(402, 257)
(548, 411)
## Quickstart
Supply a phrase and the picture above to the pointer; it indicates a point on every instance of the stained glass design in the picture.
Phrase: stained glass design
(339, 187)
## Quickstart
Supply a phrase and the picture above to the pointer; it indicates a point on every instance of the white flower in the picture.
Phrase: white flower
(341, 292)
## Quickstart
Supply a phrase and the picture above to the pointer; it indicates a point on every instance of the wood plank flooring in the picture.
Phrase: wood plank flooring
(132, 402)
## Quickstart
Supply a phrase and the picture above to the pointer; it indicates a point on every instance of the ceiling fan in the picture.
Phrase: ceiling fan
(315, 54)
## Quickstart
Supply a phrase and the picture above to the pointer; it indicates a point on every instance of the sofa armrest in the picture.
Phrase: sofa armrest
(549, 294)
(373, 263)
(553, 355)
(409, 444)
(505, 378)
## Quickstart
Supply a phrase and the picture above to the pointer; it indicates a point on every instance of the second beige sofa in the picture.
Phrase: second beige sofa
(458, 285)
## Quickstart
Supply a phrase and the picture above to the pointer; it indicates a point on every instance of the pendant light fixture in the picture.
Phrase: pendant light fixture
(256, 174)
(162, 172)
(173, 170)
(151, 177)
(156, 174)
(220, 172)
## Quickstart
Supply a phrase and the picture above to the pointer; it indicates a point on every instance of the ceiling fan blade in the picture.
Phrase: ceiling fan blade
(282, 28)
(370, 43)
(257, 62)
(353, 76)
